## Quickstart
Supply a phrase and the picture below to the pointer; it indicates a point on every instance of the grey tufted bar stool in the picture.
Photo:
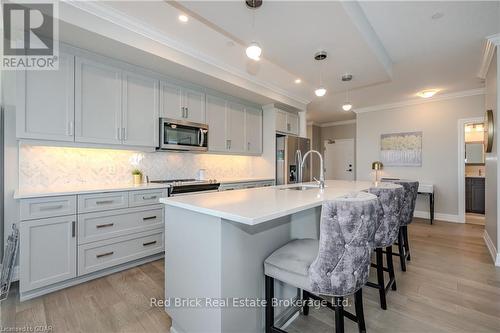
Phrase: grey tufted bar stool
(410, 197)
(391, 200)
(336, 265)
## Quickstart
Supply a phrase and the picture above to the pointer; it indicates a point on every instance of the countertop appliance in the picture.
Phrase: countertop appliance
(179, 187)
(183, 135)
(289, 152)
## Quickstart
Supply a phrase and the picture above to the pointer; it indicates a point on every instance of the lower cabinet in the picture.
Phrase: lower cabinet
(245, 185)
(47, 251)
(474, 195)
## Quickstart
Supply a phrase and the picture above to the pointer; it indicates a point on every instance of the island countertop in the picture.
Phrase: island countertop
(254, 206)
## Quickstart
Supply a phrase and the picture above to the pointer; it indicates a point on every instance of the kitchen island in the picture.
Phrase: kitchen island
(216, 244)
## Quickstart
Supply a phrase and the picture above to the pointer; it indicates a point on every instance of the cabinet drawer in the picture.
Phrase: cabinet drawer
(108, 224)
(102, 201)
(99, 255)
(147, 197)
(47, 207)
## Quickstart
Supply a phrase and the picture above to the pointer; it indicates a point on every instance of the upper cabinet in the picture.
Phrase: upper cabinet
(287, 122)
(233, 127)
(98, 102)
(45, 102)
(181, 103)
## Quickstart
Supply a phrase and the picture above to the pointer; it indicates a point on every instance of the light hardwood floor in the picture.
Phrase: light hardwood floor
(451, 285)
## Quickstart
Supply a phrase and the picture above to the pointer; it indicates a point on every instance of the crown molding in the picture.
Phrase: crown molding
(338, 123)
(129, 23)
(489, 47)
(412, 102)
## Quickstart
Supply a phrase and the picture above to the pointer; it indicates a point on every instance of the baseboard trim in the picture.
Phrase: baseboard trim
(438, 216)
(491, 247)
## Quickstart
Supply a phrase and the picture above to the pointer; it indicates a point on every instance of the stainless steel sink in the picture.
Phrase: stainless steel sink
(300, 188)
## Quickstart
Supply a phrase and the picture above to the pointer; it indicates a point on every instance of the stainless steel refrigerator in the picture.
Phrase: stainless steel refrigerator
(289, 152)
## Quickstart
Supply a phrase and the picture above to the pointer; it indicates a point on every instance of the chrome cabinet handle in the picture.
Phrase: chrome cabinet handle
(104, 254)
(51, 207)
(149, 218)
(104, 202)
(104, 225)
(73, 229)
(152, 197)
(149, 243)
(124, 133)
(248, 146)
(70, 128)
(118, 133)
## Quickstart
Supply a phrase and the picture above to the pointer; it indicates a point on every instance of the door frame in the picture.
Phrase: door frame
(461, 164)
(329, 141)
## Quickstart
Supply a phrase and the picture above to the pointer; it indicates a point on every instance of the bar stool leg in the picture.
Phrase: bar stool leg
(380, 278)
(390, 266)
(339, 314)
(269, 304)
(305, 299)
(358, 303)
(407, 243)
(401, 248)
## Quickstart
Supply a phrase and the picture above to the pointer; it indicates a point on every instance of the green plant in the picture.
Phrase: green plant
(137, 172)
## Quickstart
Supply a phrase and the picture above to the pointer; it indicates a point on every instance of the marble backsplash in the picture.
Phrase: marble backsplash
(42, 167)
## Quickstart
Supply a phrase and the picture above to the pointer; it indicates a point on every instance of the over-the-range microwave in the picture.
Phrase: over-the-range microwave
(183, 135)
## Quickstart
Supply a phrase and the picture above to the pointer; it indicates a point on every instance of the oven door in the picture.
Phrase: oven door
(183, 135)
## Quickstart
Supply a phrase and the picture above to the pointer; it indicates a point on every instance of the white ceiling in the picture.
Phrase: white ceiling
(393, 49)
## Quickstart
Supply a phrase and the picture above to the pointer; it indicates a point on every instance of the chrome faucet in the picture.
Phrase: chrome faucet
(321, 180)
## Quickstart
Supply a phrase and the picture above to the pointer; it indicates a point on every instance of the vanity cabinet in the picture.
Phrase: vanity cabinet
(182, 103)
(45, 102)
(475, 195)
(233, 127)
(287, 122)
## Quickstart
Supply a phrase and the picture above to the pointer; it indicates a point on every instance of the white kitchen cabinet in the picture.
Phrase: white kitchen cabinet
(45, 102)
(216, 120)
(293, 123)
(281, 124)
(47, 251)
(140, 110)
(287, 122)
(253, 130)
(236, 128)
(98, 102)
(181, 103)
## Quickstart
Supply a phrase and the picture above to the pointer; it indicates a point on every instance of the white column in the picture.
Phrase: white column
(302, 124)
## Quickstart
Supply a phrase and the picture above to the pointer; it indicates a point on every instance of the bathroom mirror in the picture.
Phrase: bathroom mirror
(474, 153)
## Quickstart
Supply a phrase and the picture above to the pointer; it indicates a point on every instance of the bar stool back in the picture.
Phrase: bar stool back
(410, 198)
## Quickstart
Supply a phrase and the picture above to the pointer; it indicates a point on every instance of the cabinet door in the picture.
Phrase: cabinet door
(47, 251)
(194, 102)
(236, 128)
(216, 120)
(253, 130)
(140, 110)
(171, 101)
(45, 102)
(281, 121)
(98, 98)
(292, 124)
(477, 196)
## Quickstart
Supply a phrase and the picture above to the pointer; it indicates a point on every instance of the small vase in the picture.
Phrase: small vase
(137, 179)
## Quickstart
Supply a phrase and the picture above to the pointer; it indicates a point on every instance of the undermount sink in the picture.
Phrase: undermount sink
(301, 187)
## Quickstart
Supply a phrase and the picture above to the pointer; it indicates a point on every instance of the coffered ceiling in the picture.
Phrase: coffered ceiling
(392, 49)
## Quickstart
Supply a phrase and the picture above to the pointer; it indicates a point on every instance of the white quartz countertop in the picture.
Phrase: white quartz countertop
(83, 189)
(230, 180)
(254, 206)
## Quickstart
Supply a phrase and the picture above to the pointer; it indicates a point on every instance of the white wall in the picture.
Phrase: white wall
(439, 123)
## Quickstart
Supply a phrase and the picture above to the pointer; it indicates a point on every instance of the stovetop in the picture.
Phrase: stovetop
(185, 182)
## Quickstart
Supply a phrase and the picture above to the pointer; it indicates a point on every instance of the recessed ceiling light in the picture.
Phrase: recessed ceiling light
(427, 93)
(297, 81)
(183, 18)
(320, 92)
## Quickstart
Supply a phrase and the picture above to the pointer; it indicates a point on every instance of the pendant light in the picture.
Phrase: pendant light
(321, 90)
(347, 106)
(253, 50)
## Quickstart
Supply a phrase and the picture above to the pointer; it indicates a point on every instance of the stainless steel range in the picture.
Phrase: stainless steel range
(189, 186)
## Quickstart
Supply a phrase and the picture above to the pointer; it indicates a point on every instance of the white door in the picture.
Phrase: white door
(98, 102)
(216, 120)
(47, 251)
(194, 102)
(171, 101)
(140, 110)
(292, 123)
(281, 122)
(339, 159)
(45, 102)
(236, 128)
(253, 129)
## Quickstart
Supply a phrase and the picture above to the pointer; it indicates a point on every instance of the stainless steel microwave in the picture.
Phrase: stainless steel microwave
(183, 135)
